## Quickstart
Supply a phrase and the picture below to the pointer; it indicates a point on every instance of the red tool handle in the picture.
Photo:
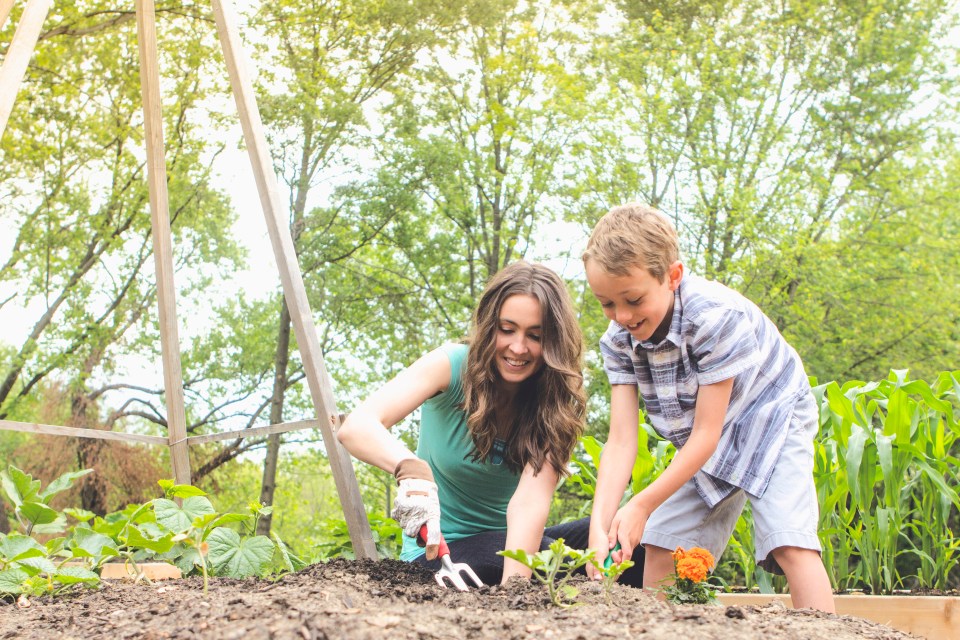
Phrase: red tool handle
(444, 550)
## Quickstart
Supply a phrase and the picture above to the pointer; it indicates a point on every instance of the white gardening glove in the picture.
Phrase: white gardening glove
(417, 504)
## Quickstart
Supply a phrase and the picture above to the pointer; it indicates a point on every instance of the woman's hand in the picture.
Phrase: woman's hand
(417, 503)
(601, 546)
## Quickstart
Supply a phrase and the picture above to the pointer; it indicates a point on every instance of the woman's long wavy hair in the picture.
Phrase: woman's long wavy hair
(551, 404)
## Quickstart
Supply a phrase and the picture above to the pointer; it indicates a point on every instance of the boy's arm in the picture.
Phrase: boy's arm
(616, 465)
(527, 514)
(712, 402)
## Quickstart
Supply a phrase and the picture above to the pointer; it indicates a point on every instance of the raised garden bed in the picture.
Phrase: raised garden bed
(359, 600)
(932, 617)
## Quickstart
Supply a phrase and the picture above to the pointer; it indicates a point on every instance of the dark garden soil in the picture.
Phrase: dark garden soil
(389, 599)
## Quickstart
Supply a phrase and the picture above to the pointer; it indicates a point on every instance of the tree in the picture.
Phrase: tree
(72, 181)
(323, 65)
(481, 132)
(776, 136)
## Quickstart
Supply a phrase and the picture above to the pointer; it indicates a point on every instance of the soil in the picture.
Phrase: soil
(390, 599)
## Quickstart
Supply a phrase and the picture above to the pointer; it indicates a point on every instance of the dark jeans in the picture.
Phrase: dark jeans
(480, 552)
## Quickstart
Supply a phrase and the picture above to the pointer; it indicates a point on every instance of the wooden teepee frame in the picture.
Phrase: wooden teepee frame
(327, 416)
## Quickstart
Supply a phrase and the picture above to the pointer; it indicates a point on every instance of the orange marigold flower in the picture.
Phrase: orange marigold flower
(692, 569)
(679, 555)
(703, 555)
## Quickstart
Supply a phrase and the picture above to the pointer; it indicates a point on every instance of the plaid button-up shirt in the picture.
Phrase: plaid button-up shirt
(715, 334)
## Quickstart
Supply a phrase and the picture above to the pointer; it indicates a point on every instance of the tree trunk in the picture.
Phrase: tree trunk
(4, 518)
(93, 487)
(269, 483)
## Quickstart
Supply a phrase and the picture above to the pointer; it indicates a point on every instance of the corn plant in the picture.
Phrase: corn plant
(886, 472)
(653, 455)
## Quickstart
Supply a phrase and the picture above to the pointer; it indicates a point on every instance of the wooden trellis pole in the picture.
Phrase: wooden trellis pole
(162, 244)
(295, 294)
(21, 49)
(321, 390)
(5, 7)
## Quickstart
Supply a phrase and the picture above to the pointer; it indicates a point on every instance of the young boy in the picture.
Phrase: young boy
(719, 381)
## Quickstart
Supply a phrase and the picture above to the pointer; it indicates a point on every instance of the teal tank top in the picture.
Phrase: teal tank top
(473, 494)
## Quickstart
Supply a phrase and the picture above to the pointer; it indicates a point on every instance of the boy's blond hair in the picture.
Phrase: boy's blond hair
(633, 235)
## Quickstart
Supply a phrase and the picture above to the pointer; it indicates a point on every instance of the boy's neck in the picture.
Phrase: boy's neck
(664, 327)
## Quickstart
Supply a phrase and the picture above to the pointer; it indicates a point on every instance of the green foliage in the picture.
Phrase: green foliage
(387, 535)
(653, 455)
(685, 591)
(192, 535)
(886, 468)
(31, 505)
(31, 568)
(789, 145)
(553, 567)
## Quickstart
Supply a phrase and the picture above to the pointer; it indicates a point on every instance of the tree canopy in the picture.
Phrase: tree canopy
(806, 150)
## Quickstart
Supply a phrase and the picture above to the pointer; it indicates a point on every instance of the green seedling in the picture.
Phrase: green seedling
(553, 567)
(610, 571)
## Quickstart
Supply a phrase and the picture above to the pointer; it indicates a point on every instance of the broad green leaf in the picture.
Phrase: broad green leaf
(17, 546)
(62, 483)
(178, 519)
(854, 459)
(891, 483)
(517, 554)
(80, 515)
(187, 491)
(285, 558)
(225, 518)
(59, 525)
(898, 417)
(37, 513)
(201, 522)
(569, 592)
(236, 558)
(55, 545)
(136, 540)
(20, 487)
(92, 544)
(189, 559)
(173, 490)
(11, 581)
(36, 566)
(73, 575)
(594, 449)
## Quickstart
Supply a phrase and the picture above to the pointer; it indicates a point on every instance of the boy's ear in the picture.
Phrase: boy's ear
(675, 275)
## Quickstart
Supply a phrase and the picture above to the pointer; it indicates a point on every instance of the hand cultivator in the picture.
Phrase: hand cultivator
(449, 569)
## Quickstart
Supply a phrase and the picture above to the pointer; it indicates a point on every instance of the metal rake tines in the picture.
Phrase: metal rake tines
(451, 571)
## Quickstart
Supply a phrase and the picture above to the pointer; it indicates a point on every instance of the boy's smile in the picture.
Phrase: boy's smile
(638, 302)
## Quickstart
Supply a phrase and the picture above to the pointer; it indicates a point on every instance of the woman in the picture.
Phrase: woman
(500, 417)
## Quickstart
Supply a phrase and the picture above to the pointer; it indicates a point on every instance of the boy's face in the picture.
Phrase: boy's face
(637, 301)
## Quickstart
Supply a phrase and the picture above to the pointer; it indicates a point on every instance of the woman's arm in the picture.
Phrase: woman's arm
(527, 515)
(365, 431)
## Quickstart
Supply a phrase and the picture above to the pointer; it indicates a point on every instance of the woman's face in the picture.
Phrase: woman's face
(519, 353)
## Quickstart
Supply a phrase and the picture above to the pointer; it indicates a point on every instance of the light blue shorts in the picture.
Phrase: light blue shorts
(786, 515)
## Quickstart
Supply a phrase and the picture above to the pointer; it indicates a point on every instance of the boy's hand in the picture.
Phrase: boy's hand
(627, 529)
